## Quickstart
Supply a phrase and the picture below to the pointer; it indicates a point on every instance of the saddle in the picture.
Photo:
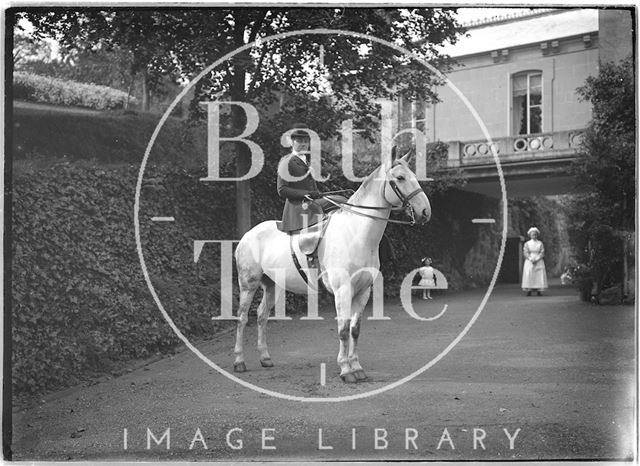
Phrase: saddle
(309, 238)
(306, 242)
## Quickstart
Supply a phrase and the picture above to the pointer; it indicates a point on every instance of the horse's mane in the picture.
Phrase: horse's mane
(365, 184)
(371, 177)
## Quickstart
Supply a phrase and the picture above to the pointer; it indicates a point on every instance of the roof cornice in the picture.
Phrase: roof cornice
(481, 23)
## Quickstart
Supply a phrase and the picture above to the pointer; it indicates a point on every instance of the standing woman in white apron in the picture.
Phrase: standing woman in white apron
(534, 275)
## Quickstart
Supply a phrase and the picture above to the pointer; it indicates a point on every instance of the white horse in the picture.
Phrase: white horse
(347, 254)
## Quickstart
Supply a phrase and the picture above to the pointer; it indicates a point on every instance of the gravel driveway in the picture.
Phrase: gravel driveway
(535, 378)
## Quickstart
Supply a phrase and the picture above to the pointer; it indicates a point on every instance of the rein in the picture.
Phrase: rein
(405, 203)
(348, 207)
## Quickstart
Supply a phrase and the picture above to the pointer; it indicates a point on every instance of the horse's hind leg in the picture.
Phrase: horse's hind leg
(249, 275)
(246, 296)
(357, 306)
(267, 303)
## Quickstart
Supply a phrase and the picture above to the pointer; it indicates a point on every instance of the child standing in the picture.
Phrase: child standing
(427, 278)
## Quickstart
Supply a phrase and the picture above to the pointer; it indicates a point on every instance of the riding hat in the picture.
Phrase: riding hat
(297, 133)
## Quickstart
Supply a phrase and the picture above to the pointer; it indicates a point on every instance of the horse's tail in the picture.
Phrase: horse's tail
(242, 244)
(235, 253)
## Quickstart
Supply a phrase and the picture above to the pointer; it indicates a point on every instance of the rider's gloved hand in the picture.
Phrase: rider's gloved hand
(315, 195)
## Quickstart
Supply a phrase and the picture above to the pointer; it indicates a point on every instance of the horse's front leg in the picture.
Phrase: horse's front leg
(343, 310)
(357, 307)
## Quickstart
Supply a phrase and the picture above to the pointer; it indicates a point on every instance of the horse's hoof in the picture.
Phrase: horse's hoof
(360, 375)
(348, 378)
(266, 362)
(239, 367)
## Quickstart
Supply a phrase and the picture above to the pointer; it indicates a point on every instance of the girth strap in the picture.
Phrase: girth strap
(296, 262)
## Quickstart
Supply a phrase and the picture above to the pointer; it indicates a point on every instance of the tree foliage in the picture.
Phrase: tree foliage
(27, 49)
(605, 169)
(136, 39)
(182, 42)
(607, 162)
(352, 73)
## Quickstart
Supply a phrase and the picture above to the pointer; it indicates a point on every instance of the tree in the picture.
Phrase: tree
(136, 37)
(605, 168)
(27, 50)
(356, 71)
(353, 74)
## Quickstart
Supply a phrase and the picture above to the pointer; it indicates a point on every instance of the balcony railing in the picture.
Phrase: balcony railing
(515, 148)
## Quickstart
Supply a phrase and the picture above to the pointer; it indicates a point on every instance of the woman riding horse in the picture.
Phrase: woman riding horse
(298, 212)
(304, 204)
(349, 263)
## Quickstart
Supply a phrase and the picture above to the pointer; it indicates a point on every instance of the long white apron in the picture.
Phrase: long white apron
(534, 276)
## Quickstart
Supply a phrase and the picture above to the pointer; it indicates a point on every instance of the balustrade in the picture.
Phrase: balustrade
(514, 148)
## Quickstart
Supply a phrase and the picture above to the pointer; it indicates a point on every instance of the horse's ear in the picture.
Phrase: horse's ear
(408, 156)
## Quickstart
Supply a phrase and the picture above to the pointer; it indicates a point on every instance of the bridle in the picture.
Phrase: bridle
(394, 186)
(404, 199)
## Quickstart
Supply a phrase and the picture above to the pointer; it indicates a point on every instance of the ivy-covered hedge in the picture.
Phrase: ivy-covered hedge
(48, 90)
(80, 303)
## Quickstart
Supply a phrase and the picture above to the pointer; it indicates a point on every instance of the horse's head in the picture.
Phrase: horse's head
(402, 189)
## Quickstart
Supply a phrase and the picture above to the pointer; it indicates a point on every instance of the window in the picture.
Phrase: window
(411, 114)
(527, 102)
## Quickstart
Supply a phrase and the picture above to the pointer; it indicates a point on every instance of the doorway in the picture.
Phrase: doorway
(512, 260)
